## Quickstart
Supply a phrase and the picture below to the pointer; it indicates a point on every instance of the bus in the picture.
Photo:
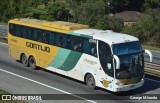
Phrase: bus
(100, 58)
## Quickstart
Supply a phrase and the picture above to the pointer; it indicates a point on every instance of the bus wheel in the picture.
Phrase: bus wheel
(32, 62)
(90, 81)
(24, 60)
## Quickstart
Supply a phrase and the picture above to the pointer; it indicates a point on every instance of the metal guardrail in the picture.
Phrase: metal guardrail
(152, 69)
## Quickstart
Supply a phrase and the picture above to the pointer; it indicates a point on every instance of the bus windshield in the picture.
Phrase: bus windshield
(131, 60)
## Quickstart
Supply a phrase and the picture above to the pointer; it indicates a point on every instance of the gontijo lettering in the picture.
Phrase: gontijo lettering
(38, 47)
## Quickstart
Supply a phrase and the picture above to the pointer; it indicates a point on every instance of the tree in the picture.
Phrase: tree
(57, 11)
(147, 29)
(123, 5)
(151, 4)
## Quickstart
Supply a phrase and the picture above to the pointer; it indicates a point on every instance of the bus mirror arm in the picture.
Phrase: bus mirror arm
(117, 61)
(150, 55)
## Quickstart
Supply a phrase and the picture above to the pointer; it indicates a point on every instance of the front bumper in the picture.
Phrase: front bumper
(118, 88)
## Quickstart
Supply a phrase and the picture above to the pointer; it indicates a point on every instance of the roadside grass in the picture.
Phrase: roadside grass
(9, 101)
(3, 92)
(1, 23)
(3, 40)
(150, 48)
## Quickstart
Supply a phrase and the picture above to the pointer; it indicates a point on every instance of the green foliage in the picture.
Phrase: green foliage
(147, 29)
(91, 12)
(3, 92)
(122, 5)
(57, 11)
(94, 13)
(151, 4)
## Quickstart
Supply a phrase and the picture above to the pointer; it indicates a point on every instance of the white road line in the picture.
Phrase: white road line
(47, 86)
(3, 43)
(153, 80)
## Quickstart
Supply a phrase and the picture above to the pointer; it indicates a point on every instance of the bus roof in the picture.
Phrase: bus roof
(54, 25)
(106, 35)
(76, 29)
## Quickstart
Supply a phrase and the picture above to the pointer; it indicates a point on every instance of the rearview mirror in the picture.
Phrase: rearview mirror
(150, 55)
(117, 61)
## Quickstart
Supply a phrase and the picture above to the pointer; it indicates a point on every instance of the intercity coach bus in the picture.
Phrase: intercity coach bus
(100, 58)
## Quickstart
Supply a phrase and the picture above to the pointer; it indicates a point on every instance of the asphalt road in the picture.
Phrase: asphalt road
(22, 80)
(3, 29)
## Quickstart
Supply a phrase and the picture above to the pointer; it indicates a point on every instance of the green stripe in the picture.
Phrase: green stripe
(65, 59)
(81, 35)
(60, 58)
(86, 36)
(73, 33)
(71, 61)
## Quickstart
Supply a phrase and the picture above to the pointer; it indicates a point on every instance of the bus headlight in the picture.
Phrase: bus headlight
(142, 79)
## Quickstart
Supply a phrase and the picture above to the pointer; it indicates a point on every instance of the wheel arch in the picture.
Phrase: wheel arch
(85, 75)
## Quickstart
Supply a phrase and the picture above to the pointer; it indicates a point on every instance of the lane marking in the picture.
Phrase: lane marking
(153, 80)
(3, 43)
(48, 86)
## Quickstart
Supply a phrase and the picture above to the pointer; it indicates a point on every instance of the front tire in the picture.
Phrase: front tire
(32, 63)
(90, 81)
(24, 60)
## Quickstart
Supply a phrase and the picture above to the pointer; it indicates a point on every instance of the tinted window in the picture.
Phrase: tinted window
(51, 38)
(86, 47)
(40, 36)
(12, 28)
(24, 32)
(93, 49)
(89, 47)
(18, 30)
(105, 57)
(77, 44)
(61, 40)
(69, 43)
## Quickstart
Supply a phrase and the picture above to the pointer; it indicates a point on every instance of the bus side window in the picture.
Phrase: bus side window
(86, 46)
(77, 44)
(51, 38)
(35, 34)
(65, 40)
(25, 32)
(56, 39)
(93, 49)
(29, 33)
(69, 43)
(18, 31)
(12, 29)
(61, 41)
(40, 37)
(46, 36)
(21, 31)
